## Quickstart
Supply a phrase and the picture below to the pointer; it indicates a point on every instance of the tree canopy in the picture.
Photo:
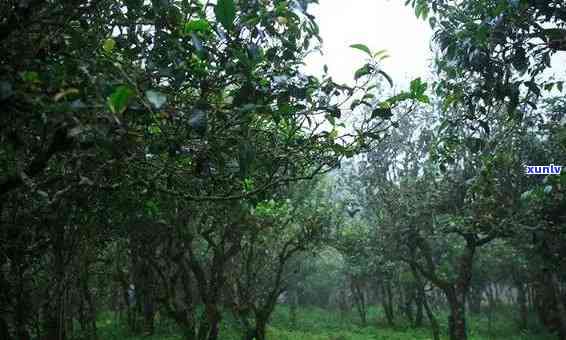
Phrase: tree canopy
(173, 164)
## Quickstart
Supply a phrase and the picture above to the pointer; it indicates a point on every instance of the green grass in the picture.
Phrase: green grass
(315, 323)
(319, 324)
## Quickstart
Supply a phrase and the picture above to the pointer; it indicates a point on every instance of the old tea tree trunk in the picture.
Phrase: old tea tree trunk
(456, 290)
(457, 320)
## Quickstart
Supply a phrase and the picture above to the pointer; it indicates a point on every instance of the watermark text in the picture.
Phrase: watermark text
(543, 169)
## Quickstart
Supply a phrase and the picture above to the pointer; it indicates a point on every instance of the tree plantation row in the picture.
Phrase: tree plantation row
(169, 170)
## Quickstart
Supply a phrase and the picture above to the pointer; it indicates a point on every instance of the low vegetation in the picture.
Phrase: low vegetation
(168, 170)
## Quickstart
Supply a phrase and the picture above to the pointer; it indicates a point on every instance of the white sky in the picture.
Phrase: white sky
(379, 24)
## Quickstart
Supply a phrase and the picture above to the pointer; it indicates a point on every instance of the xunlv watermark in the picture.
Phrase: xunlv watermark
(543, 169)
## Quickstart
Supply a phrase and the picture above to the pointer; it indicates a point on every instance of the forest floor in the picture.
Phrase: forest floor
(319, 324)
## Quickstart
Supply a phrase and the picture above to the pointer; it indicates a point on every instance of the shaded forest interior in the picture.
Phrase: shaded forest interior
(169, 170)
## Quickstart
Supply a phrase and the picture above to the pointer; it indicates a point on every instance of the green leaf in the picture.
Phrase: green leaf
(485, 126)
(368, 96)
(520, 61)
(387, 77)
(382, 112)
(331, 119)
(418, 88)
(151, 208)
(157, 99)
(398, 98)
(381, 53)
(548, 87)
(225, 12)
(355, 103)
(533, 87)
(199, 25)
(362, 71)
(432, 22)
(555, 33)
(109, 45)
(30, 77)
(362, 48)
(333, 134)
(525, 195)
(421, 10)
(334, 111)
(119, 99)
(423, 98)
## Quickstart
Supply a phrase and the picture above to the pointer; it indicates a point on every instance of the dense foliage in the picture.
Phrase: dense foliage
(170, 162)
